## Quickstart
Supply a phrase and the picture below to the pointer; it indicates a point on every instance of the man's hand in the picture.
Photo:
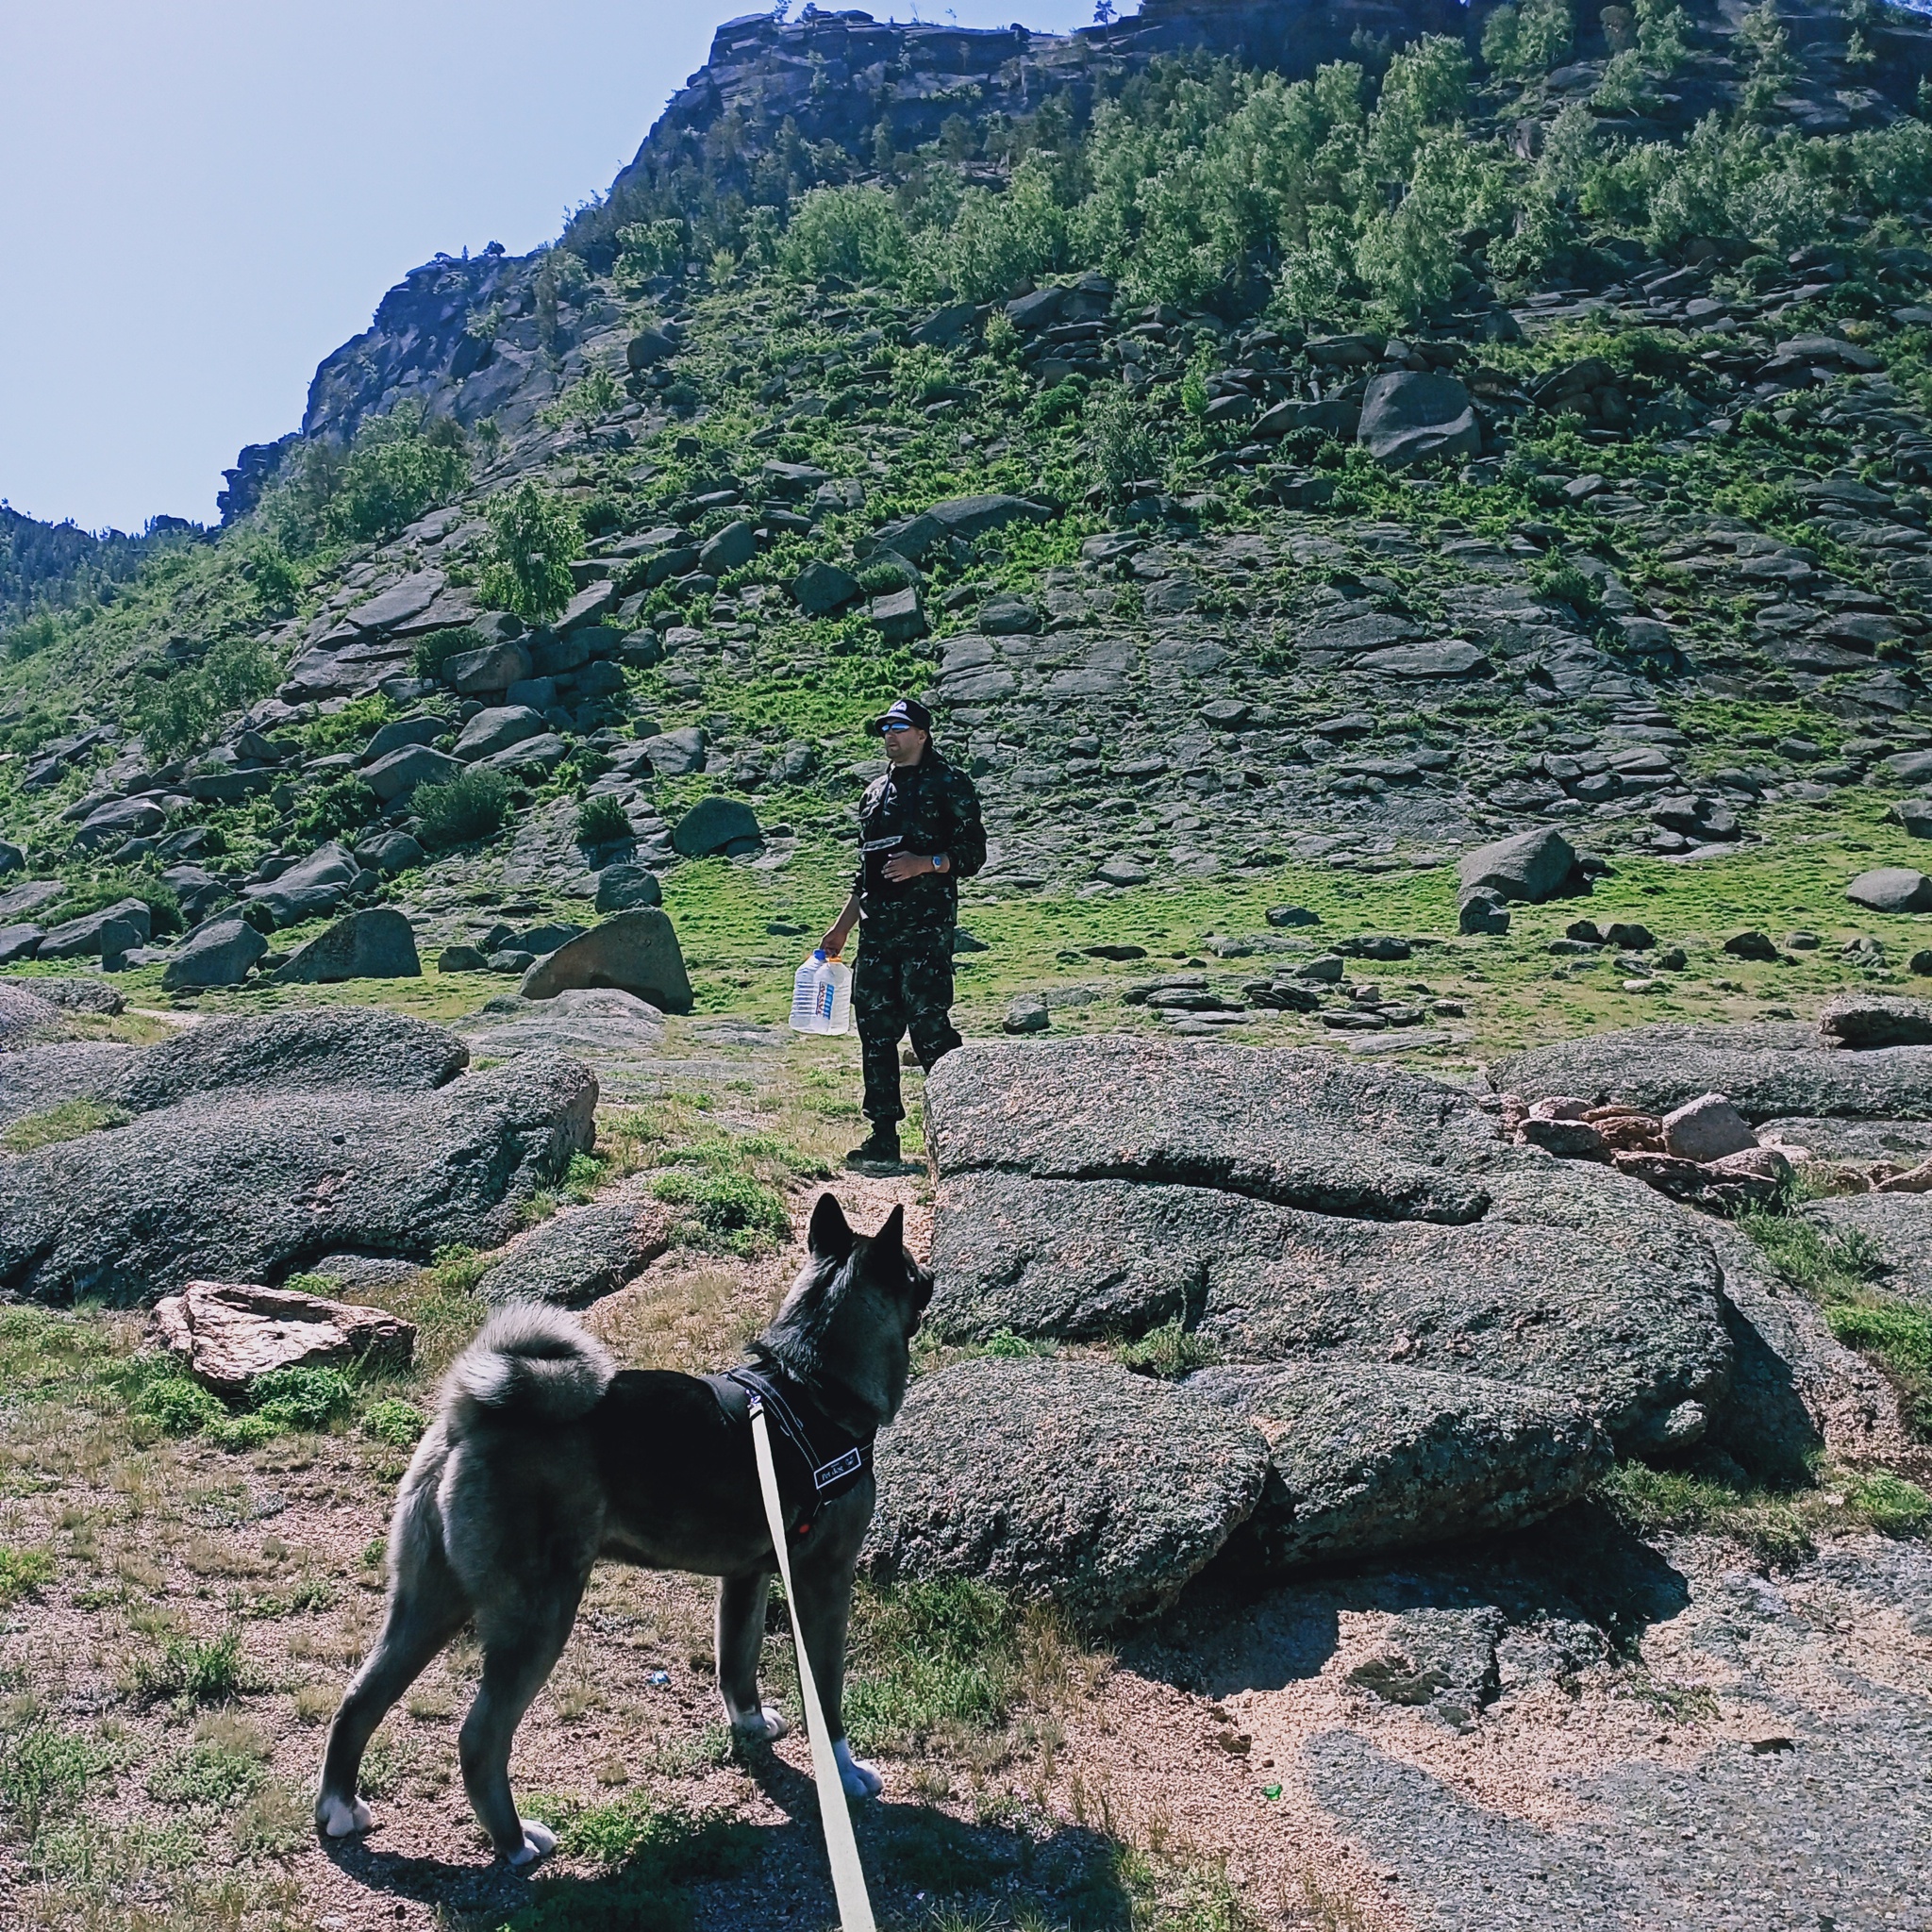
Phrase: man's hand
(840, 930)
(910, 865)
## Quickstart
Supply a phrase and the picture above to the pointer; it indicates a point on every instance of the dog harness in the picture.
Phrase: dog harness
(818, 1461)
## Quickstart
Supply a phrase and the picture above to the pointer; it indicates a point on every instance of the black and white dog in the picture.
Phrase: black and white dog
(545, 1457)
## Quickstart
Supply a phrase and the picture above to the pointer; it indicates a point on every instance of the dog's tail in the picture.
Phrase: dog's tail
(529, 1364)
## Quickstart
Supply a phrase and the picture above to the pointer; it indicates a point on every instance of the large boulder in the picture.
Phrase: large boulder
(978, 516)
(626, 887)
(217, 953)
(677, 754)
(124, 818)
(1409, 416)
(582, 1254)
(1891, 889)
(716, 825)
(1768, 1071)
(402, 771)
(481, 674)
(636, 952)
(378, 943)
(1068, 1480)
(1364, 1459)
(102, 935)
(12, 859)
(303, 1050)
(492, 731)
(1530, 865)
(596, 1024)
(821, 588)
(20, 943)
(251, 1182)
(1865, 1020)
(1297, 1206)
(226, 1333)
(735, 546)
(311, 889)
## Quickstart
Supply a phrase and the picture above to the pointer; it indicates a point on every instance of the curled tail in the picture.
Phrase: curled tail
(529, 1365)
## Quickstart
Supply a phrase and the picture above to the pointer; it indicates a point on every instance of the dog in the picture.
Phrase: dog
(544, 1456)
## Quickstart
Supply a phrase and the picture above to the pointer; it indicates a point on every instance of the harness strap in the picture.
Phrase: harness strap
(841, 1846)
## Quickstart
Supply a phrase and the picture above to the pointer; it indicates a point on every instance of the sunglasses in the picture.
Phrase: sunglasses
(899, 728)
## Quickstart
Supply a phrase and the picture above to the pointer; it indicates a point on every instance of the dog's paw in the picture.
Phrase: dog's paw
(861, 1780)
(539, 1842)
(765, 1725)
(340, 1817)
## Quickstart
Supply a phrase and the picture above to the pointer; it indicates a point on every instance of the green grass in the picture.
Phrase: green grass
(472, 806)
(929, 1658)
(222, 1766)
(730, 1186)
(45, 1771)
(23, 1572)
(190, 1671)
(67, 1121)
(1169, 1352)
(656, 1855)
(395, 1422)
(1650, 1499)
(1891, 1503)
(1837, 1270)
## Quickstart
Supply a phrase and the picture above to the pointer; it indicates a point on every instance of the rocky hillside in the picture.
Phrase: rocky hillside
(1287, 444)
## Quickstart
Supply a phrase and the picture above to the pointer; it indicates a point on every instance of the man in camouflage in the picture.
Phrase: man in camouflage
(919, 835)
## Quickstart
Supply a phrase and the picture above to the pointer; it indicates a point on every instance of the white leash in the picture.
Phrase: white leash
(841, 1848)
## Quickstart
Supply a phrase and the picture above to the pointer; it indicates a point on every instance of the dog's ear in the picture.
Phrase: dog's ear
(888, 1244)
(831, 1239)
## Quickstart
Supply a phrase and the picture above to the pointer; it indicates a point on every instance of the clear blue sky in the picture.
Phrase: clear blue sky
(204, 199)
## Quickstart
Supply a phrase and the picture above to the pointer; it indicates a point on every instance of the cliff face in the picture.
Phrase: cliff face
(476, 337)
(461, 335)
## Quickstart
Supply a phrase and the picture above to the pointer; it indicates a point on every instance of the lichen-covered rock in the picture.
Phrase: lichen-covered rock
(259, 1143)
(634, 952)
(1864, 1020)
(1898, 1226)
(1767, 1071)
(376, 943)
(226, 1333)
(1074, 1481)
(1294, 1208)
(580, 1256)
(1366, 1459)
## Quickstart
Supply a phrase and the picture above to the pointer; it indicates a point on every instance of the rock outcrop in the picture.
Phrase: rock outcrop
(226, 1333)
(258, 1145)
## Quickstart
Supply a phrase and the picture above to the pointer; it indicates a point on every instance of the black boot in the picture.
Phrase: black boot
(881, 1148)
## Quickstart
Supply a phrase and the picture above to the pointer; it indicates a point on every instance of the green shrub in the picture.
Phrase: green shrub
(179, 715)
(601, 821)
(336, 806)
(853, 233)
(306, 1398)
(1891, 1503)
(177, 1406)
(395, 1422)
(23, 1572)
(586, 402)
(396, 469)
(433, 650)
(471, 807)
(1528, 39)
(211, 1772)
(535, 536)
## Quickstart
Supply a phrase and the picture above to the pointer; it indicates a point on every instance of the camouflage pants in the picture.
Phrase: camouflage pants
(897, 990)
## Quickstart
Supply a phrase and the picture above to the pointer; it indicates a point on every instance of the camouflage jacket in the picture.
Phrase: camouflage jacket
(923, 808)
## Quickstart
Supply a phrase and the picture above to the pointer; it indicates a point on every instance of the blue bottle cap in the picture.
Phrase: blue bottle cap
(818, 952)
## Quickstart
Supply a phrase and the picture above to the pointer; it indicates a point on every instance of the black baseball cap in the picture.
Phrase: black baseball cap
(903, 712)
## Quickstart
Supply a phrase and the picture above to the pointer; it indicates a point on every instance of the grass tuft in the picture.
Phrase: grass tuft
(1838, 1271)
(1649, 1500)
(1169, 1352)
(930, 1658)
(67, 1121)
(190, 1671)
(23, 1572)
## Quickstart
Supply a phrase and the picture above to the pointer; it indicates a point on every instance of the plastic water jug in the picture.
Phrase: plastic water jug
(822, 996)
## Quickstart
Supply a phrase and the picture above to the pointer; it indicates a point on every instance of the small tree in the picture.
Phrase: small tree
(535, 539)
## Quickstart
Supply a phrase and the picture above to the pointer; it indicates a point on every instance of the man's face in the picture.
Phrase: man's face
(904, 743)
